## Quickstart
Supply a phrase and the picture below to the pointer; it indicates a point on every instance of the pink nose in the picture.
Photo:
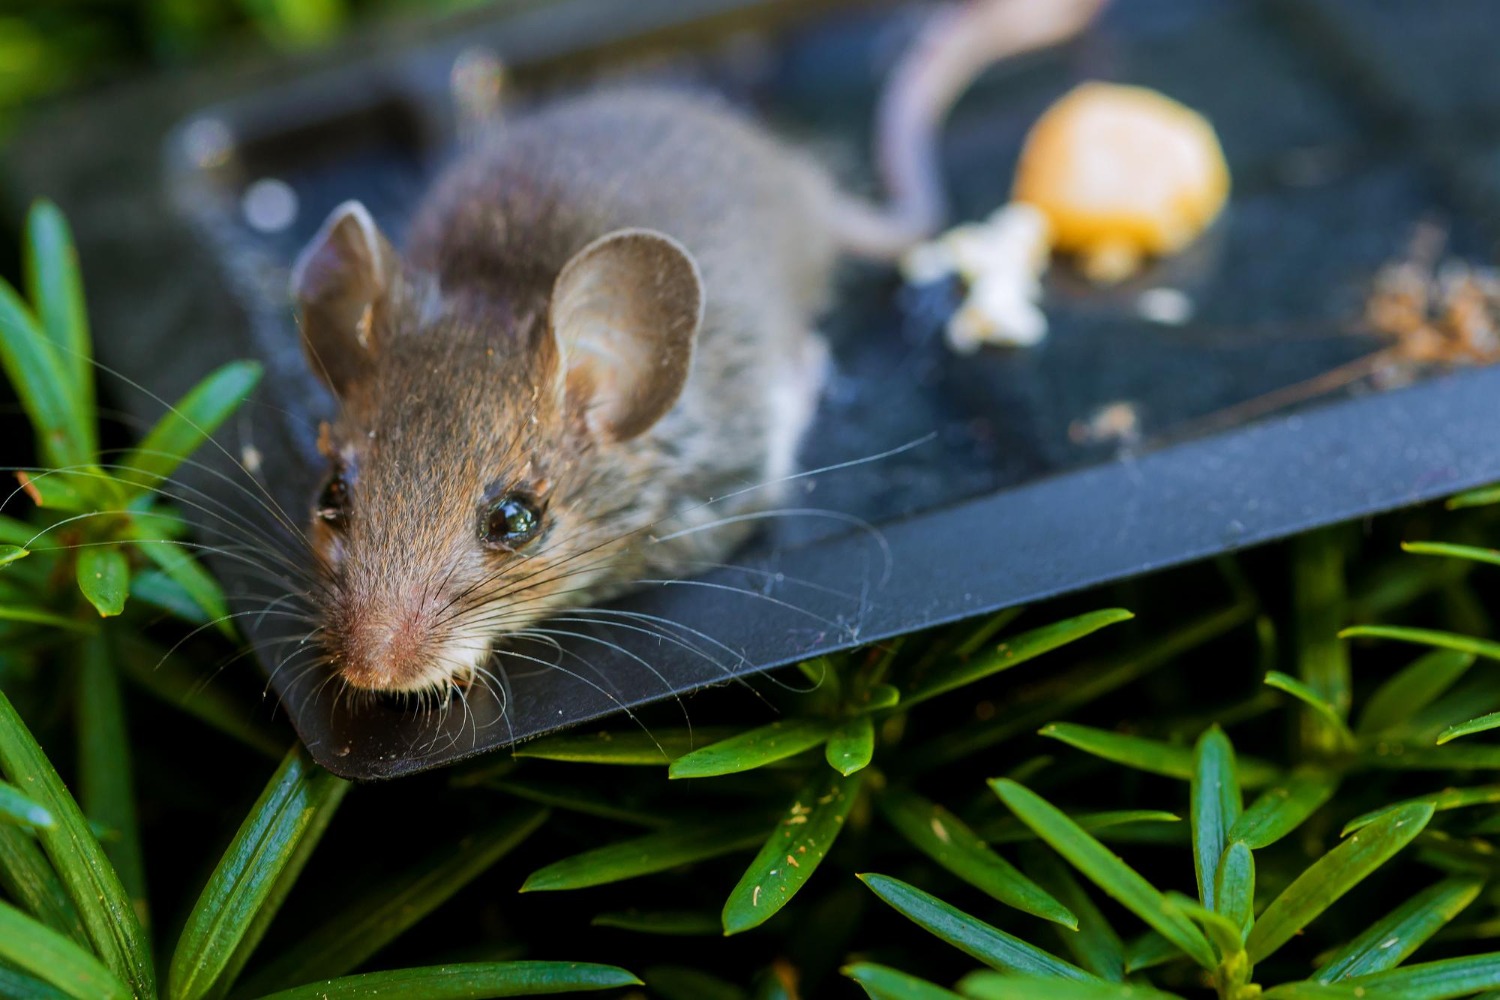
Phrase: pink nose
(386, 652)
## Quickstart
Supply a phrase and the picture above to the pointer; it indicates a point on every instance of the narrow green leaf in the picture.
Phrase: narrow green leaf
(883, 983)
(12, 553)
(105, 782)
(474, 981)
(104, 578)
(179, 564)
(1166, 759)
(191, 422)
(969, 935)
(795, 848)
(995, 986)
(677, 982)
(272, 842)
(1426, 637)
(579, 799)
(1216, 805)
(35, 948)
(655, 852)
(1094, 945)
(1234, 885)
(1282, 808)
(1148, 951)
(851, 746)
(19, 986)
(62, 424)
(1451, 757)
(674, 923)
(1223, 932)
(1442, 980)
(1412, 689)
(1389, 941)
(17, 808)
(1473, 553)
(1100, 866)
(637, 748)
(1336, 733)
(1483, 724)
(1448, 798)
(173, 680)
(1332, 875)
(752, 749)
(153, 587)
(1008, 829)
(881, 696)
(40, 616)
(345, 939)
(1011, 653)
(944, 838)
(55, 284)
(113, 930)
(30, 881)
(1320, 606)
(1480, 497)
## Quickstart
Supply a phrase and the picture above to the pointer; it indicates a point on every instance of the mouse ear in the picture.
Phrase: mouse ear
(625, 311)
(341, 283)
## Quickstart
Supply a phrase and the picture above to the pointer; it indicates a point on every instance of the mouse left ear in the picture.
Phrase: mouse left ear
(625, 312)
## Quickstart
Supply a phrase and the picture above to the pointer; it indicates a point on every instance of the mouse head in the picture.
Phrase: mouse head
(483, 464)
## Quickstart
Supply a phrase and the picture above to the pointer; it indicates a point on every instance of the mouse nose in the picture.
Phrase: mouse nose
(388, 649)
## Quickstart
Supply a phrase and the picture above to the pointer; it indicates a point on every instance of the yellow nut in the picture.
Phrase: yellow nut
(1122, 173)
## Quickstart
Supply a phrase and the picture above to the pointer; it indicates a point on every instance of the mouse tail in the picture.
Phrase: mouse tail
(954, 48)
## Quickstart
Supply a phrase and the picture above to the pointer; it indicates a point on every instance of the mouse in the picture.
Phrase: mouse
(593, 361)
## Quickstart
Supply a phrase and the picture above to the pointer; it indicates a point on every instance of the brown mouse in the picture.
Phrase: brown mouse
(596, 355)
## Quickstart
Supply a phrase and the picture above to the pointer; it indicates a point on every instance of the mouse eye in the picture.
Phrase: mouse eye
(332, 507)
(510, 522)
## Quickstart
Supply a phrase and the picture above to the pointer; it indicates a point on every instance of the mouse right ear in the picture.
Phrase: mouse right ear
(342, 282)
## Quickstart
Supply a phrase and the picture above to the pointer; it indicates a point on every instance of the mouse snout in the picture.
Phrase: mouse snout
(395, 646)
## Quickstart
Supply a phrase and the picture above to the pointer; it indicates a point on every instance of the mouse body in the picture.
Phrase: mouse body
(594, 362)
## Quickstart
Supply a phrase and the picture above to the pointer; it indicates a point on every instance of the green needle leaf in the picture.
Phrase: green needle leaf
(1098, 864)
(38, 616)
(1471, 552)
(1220, 929)
(993, 986)
(1480, 497)
(30, 881)
(253, 877)
(752, 749)
(178, 563)
(793, 851)
(655, 852)
(1154, 756)
(1216, 805)
(104, 578)
(1483, 724)
(1095, 945)
(345, 939)
(852, 745)
(945, 839)
(1443, 980)
(105, 781)
(17, 808)
(1282, 808)
(1448, 798)
(1412, 689)
(1234, 885)
(1008, 829)
(11, 553)
(675, 923)
(883, 983)
(1332, 875)
(63, 422)
(466, 982)
(1326, 713)
(1011, 653)
(969, 935)
(1391, 940)
(35, 948)
(114, 932)
(195, 418)
(1426, 637)
(55, 285)
(1148, 951)
(634, 748)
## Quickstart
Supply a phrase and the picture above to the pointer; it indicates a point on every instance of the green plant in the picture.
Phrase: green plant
(1059, 806)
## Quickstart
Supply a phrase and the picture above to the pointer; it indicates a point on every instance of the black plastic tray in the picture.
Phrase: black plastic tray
(959, 487)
